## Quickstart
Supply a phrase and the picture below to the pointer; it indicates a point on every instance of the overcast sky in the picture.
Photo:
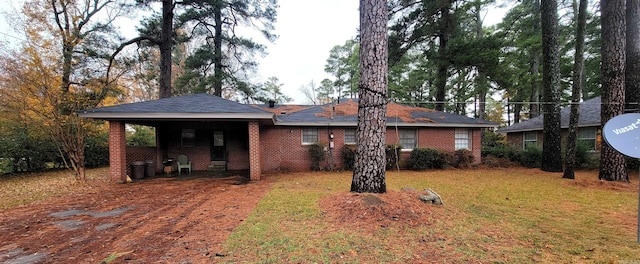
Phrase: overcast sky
(308, 29)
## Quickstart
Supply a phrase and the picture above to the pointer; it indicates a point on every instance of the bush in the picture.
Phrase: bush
(96, 151)
(425, 158)
(348, 156)
(317, 155)
(495, 162)
(531, 157)
(586, 158)
(141, 136)
(391, 152)
(393, 155)
(633, 164)
(462, 159)
(502, 151)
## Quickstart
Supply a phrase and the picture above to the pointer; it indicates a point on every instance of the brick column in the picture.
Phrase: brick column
(254, 151)
(117, 152)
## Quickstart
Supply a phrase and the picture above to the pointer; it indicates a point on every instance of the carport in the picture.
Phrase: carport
(211, 130)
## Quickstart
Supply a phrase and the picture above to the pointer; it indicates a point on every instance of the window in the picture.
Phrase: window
(188, 137)
(408, 138)
(349, 136)
(530, 139)
(587, 137)
(463, 140)
(309, 135)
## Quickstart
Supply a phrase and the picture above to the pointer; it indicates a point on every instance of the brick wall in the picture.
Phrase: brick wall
(117, 151)
(282, 148)
(515, 139)
(255, 169)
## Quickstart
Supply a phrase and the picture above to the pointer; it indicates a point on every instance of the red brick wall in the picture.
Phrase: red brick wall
(515, 139)
(282, 148)
(255, 169)
(117, 152)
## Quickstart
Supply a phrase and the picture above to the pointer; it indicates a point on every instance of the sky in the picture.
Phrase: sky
(307, 30)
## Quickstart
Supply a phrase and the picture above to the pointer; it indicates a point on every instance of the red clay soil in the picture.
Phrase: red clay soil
(365, 210)
(162, 220)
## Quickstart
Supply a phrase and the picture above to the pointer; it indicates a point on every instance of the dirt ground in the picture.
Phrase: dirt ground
(161, 220)
(182, 219)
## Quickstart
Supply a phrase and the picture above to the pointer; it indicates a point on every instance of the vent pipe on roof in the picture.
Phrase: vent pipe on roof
(272, 103)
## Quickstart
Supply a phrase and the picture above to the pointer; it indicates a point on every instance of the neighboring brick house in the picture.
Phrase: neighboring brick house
(213, 131)
(529, 132)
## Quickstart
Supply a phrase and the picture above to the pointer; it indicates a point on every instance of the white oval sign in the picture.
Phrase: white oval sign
(623, 134)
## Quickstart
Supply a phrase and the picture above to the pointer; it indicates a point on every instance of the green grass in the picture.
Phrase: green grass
(489, 216)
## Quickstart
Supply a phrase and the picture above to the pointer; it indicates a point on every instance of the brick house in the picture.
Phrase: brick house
(215, 132)
(529, 132)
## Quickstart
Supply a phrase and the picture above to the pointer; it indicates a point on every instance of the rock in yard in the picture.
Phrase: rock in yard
(430, 196)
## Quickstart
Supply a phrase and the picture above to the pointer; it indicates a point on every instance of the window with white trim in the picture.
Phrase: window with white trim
(462, 139)
(309, 136)
(349, 136)
(188, 138)
(408, 139)
(587, 137)
(530, 139)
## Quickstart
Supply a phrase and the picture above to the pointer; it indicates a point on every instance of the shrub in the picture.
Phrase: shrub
(462, 159)
(502, 151)
(425, 158)
(96, 151)
(633, 164)
(494, 162)
(586, 158)
(317, 155)
(531, 157)
(348, 156)
(393, 155)
(391, 152)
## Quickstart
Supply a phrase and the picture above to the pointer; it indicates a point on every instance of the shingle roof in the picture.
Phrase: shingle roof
(210, 107)
(589, 116)
(346, 113)
(193, 103)
(202, 107)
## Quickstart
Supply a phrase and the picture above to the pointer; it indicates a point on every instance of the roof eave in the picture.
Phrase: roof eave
(539, 128)
(402, 124)
(178, 116)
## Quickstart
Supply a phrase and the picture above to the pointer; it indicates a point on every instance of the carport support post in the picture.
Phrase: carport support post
(254, 151)
(117, 151)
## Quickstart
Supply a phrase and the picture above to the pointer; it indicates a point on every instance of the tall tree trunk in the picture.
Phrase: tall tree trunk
(632, 68)
(551, 145)
(166, 43)
(612, 163)
(370, 161)
(481, 79)
(578, 74)
(218, 75)
(534, 67)
(534, 97)
(443, 62)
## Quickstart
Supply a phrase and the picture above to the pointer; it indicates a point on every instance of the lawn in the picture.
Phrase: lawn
(489, 216)
(511, 215)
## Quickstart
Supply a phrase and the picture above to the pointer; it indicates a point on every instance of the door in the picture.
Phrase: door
(218, 148)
